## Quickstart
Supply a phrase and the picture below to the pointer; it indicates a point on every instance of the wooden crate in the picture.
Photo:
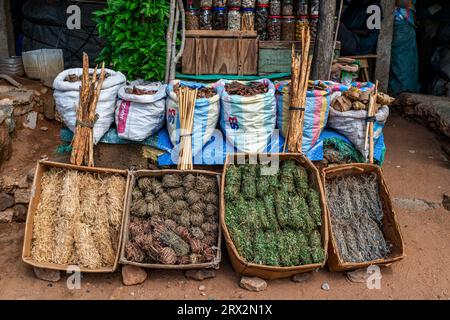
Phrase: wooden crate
(220, 52)
(275, 56)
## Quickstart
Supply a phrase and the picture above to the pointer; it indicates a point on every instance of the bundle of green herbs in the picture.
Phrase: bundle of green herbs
(356, 217)
(174, 220)
(273, 218)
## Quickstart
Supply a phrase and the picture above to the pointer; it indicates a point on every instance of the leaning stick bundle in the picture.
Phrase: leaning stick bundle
(248, 23)
(301, 66)
(83, 140)
(371, 112)
(186, 100)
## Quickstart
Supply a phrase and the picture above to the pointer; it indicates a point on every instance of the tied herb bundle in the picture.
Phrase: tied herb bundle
(186, 100)
(273, 219)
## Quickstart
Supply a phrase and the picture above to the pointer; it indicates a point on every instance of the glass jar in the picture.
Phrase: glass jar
(275, 8)
(234, 18)
(314, 7)
(302, 8)
(206, 18)
(192, 19)
(274, 28)
(261, 16)
(263, 2)
(301, 22)
(248, 19)
(248, 4)
(287, 8)
(313, 23)
(206, 3)
(220, 3)
(288, 28)
(220, 19)
(234, 3)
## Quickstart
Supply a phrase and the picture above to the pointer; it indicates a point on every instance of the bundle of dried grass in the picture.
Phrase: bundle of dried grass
(68, 213)
(115, 186)
(87, 252)
(43, 229)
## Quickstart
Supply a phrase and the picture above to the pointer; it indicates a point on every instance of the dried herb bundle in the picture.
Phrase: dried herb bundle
(356, 215)
(273, 219)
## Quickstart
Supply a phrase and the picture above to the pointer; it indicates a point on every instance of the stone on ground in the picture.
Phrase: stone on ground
(200, 275)
(253, 284)
(47, 274)
(132, 275)
(358, 276)
(6, 201)
(7, 215)
(302, 277)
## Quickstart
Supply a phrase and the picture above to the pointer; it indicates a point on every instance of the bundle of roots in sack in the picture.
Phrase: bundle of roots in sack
(356, 214)
(78, 218)
(174, 220)
(274, 219)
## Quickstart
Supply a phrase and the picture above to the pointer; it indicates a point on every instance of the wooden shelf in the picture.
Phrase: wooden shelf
(220, 34)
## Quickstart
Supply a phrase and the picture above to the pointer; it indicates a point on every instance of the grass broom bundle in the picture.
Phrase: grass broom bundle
(83, 140)
(301, 66)
(186, 100)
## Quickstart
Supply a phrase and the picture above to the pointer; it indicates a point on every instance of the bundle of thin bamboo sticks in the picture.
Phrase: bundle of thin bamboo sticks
(83, 140)
(186, 106)
(301, 66)
(371, 112)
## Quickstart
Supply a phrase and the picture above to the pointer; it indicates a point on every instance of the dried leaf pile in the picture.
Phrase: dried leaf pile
(74, 78)
(274, 219)
(246, 90)
(139, 92)
(204, 92)
(356, 217)
(78, 219)
(174, 220)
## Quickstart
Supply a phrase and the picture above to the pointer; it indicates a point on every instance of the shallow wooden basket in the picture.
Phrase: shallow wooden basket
(391, 229)
(240, 265)
(125, 232)
(36, 190)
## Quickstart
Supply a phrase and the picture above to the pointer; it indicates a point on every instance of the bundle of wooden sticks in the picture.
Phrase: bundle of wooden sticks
(186, 101)
(301, 66)
(83, 140)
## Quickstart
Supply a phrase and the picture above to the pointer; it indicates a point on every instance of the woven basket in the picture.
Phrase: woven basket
(125, 235)
(391, 229)
(240, 265)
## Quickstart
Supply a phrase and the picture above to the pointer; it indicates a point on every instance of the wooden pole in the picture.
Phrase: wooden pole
(323, 54)
(169, 36)
(383, 63)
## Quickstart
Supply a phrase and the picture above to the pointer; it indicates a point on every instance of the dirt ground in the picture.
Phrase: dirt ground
(416, 170)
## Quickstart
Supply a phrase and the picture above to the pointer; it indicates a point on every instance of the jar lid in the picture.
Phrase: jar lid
(248, 9)
(206, 8)
(219, 8)
(192, 9)
(288, 17)
(262, 5)
(274, 17)
(315, 16)
(234, 8)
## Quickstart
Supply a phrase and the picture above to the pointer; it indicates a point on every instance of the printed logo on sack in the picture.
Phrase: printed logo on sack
(171, 113)
(233, 123)
(124, 109)
(374, 279)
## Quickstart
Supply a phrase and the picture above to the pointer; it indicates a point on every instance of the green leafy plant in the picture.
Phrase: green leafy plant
(134, 33)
